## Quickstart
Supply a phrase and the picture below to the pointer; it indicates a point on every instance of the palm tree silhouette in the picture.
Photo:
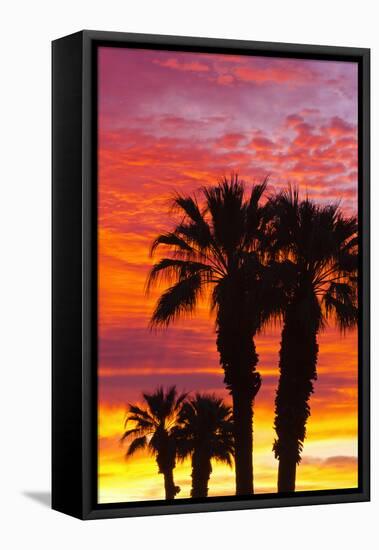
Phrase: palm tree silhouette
(216, 252)
(318, 250)
(153, 429)
(205, 433)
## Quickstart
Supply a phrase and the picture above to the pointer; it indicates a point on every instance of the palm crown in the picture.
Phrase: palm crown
(319, 248)
(205, 432)
(205, 424)
(153, 429)
(209, 246)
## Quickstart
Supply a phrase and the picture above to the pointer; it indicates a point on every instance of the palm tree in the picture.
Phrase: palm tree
(205, 432)
(153, 429)
(318, 249)
(216, 253)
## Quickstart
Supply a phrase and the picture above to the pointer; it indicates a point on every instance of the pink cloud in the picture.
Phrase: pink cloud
(274, 71)
(309, 112)
(312, 156)
(225, 79)
(339, 127)
(293, 120)
(193, 66)
(230, 141)
(262, 143)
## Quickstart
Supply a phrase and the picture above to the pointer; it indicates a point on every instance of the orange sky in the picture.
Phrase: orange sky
(173, 121)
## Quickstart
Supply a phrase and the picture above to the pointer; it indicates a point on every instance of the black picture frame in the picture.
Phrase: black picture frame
(74, 273)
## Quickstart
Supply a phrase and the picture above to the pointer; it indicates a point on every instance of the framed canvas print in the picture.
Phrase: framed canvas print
(210, 274)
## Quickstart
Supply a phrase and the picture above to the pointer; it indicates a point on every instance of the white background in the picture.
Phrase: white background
(26, 31)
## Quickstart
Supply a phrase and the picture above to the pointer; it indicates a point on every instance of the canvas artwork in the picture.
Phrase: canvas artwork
(227, 275)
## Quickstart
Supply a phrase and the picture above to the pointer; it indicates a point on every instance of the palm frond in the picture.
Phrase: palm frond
(225, 204)
(178, 300)
(133, 433)
(256, 194)
(180, 400)
(172, 240)
(256, 218)
(137, 444)
(174, 270)
(189, 206)
(137, 414)
(197, 234)
(341, 299)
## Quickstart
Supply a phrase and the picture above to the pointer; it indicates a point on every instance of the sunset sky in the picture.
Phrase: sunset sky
(174, 121)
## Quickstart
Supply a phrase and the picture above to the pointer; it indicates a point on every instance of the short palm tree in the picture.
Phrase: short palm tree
(205, 433)
(318, 248)
(215, 253)
(153, 429)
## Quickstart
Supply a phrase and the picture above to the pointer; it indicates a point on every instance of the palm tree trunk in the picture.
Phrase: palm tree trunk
(297, 366)
(170, 488)
(238, 358)
(201, 472)
(287, 472)
(243, 440)
(165, 460)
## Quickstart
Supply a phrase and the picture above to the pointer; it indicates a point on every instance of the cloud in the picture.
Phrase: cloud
(293, 120)
(276, 71)
(192, 66)
(230, 141)
(331, 461)
(262, 143)
(225, 79)
(339, 127)
(309, 111)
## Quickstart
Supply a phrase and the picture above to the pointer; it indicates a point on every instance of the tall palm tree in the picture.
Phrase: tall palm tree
(318, 248)
(205, 433)
(153, 429)
(215, 252)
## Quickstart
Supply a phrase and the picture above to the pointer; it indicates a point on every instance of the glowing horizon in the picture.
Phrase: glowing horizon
(176, 121)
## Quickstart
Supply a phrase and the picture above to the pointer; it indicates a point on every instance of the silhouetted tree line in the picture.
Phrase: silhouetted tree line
(261, 259)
